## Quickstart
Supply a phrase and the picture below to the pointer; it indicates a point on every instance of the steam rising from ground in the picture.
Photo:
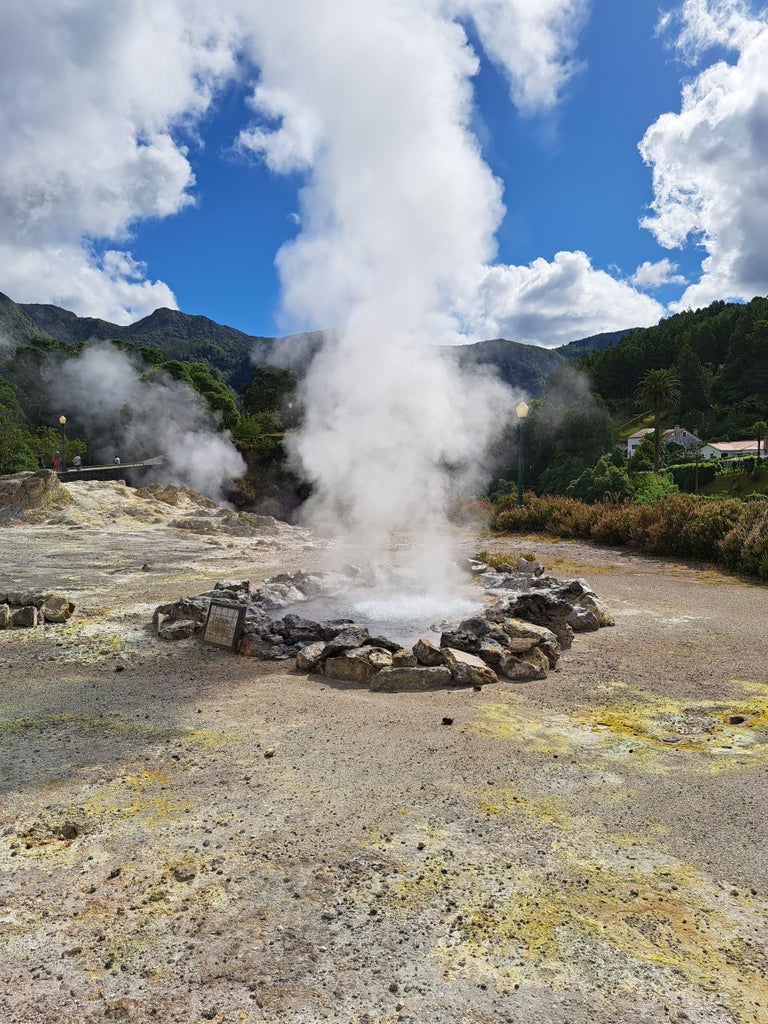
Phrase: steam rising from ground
(103, 393)
(398, 219)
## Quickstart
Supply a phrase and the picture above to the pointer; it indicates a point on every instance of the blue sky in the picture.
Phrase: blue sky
(573, 178)
(178, 182)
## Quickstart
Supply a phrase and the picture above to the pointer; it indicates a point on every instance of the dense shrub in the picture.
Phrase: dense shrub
(558, 515)
(707, 527)
(725, 531)
(745, 547)
(650, 487)
(690, 475)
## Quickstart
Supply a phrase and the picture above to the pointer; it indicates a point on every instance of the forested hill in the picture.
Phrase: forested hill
(720, 355)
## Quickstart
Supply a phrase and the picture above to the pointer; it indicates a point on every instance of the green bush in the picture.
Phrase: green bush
(650, 487)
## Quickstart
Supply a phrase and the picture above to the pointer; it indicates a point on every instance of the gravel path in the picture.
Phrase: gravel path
(188, 835)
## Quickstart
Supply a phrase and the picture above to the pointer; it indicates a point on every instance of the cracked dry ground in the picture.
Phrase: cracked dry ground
(589, 848)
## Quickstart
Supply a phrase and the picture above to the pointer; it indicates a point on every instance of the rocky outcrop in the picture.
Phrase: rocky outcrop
(29, 497)
(519, 637)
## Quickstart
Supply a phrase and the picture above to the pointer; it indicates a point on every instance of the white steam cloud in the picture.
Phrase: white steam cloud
(398, 220)
(102, 391)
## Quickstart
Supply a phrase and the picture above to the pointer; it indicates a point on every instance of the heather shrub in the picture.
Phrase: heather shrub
(614, 524)
(666, 522)
(703, 533)
(554, 513)
(745, 547)
(725, 531)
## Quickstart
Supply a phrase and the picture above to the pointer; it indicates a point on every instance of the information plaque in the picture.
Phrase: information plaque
(224, 624)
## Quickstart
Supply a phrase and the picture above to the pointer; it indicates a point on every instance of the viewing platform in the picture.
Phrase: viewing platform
(109, 470)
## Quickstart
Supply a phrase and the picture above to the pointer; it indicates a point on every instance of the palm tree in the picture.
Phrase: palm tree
(760, 430)
(659, 390)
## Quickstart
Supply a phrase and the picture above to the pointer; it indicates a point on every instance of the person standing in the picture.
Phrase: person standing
(57, 462)
(77, 461)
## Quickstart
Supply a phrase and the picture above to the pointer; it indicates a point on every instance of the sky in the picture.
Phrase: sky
(536, 171)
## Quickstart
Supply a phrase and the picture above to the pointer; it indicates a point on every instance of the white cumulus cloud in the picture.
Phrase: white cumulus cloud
(92, 99)
(656, 274)
(709, 159)
(552, 303)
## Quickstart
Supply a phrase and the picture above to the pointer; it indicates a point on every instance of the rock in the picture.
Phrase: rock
(24, 616)
(254, 646)
(330, 628)
(544, 609)
(427, 654)
(404, 659)
(388, 645)
(195, 608)
(304, 630)
(468, 669)
(593, 603)
(24, 598)
(178, 629)
(421, 678)
(277, 595)
(351, 666)
(310, 657)
(347, 639)
(523, 636)
(461, 640)
(381, 658)
(474, 566)
(521, 668)
(582, 620)
(56, 608)
(492, 651)
(477, 624)
(234, 586)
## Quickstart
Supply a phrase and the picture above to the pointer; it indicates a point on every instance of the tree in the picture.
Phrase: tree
(270, 389)
(760, 430)
(658, 390)
(16, 456)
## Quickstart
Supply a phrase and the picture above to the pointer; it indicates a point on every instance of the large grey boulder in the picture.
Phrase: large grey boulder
(422, 677)
(523, 667)
(468, 669)
(310, 656)
(353, 666)
(427, 654)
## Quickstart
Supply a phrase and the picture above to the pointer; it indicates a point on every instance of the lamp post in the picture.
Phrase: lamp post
(522, 412)
(63, 425)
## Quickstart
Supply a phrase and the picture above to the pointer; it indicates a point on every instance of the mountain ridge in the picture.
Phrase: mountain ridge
(233, 354)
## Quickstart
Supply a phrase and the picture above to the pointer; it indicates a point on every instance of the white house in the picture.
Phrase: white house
(729, 449)
(677, 435)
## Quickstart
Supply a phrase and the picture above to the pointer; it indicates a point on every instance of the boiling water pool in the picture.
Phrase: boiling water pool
(400, 617)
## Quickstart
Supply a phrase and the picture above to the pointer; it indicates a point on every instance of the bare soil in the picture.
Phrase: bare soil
(190, 835)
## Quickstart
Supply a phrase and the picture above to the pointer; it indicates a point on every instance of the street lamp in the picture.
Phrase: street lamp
(63, 424)
(522, 412)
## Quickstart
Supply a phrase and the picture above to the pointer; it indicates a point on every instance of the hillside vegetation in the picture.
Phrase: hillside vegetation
(583, 397)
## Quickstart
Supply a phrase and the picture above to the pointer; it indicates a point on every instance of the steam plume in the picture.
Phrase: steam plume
(103, 391)
(398, 219)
